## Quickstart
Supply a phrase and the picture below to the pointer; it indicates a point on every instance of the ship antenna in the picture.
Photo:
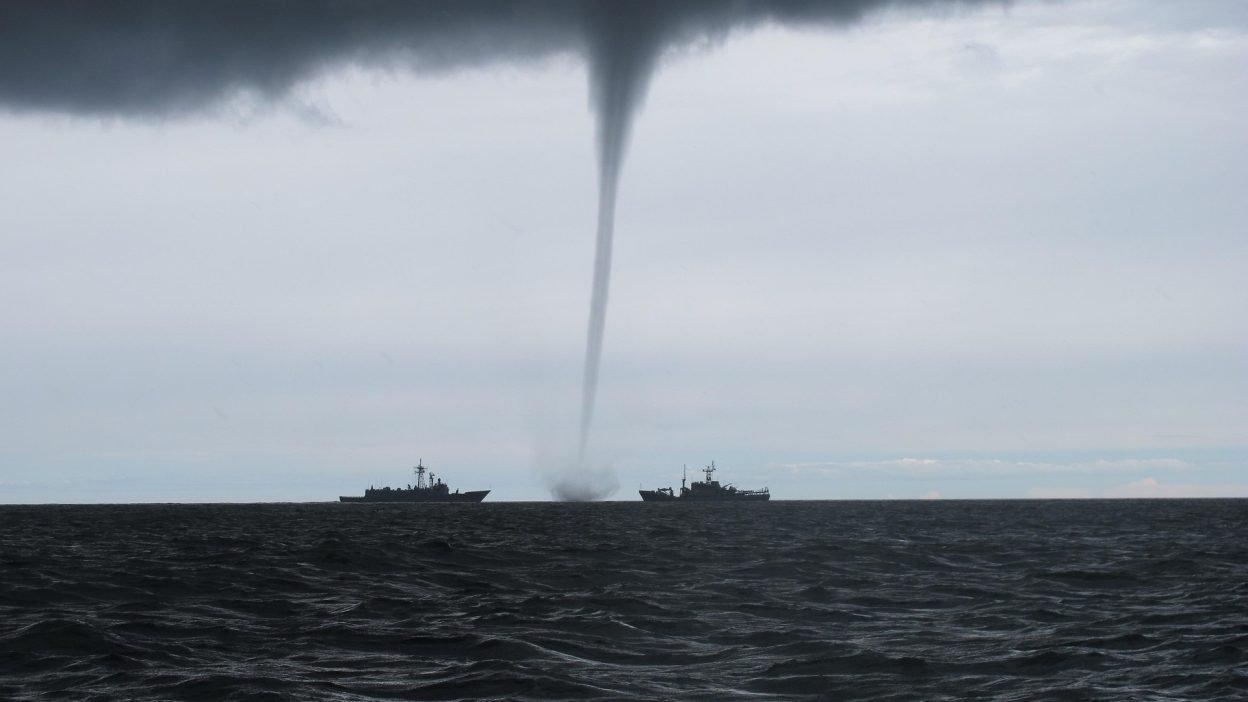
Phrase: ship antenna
(684, 473)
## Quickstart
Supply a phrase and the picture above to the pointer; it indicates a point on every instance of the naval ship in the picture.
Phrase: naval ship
(705, 491)
(430, 489)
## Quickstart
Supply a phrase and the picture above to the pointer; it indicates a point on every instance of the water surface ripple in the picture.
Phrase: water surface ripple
(782, 600)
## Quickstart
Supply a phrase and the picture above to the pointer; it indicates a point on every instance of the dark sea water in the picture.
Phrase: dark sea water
(782, 600)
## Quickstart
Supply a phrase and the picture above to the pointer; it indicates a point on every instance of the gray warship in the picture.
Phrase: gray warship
(430, 489)
(705, 491)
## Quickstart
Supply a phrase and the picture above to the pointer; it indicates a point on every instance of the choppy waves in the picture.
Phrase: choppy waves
(781, 600)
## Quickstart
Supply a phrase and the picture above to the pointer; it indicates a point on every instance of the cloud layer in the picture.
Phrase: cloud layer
(142, 57)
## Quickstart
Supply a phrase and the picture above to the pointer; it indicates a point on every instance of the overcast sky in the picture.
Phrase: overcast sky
(989, 252)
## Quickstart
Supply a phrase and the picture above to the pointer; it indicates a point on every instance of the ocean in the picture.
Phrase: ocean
(898, 600)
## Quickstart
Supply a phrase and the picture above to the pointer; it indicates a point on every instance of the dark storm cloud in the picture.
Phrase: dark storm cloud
(153, 57)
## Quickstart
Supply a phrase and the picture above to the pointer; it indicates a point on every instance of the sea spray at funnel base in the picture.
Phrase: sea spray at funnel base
(584, 483)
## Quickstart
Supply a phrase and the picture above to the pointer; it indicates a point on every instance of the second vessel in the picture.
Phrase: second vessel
(705, 491)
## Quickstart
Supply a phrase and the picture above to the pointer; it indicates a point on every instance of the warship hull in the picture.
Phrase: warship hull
(415, 496)
(739, 496)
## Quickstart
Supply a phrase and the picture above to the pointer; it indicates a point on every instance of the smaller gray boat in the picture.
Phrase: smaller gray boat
(431, 489)
(705, 491)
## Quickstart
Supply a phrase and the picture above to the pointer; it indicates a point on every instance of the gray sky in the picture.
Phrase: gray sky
(989, 252)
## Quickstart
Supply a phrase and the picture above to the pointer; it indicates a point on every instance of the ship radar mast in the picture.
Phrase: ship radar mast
(708, 470)
(420, 474)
